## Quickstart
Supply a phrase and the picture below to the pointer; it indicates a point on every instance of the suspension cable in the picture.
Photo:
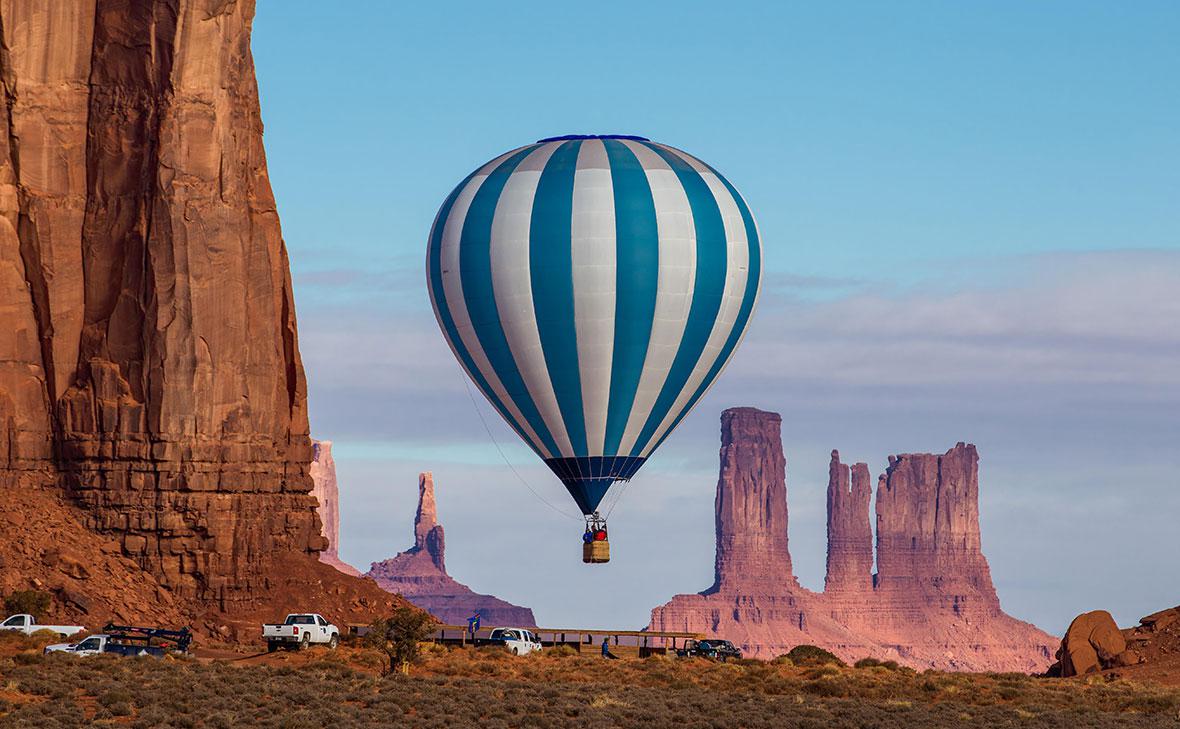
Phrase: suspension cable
(474, 404)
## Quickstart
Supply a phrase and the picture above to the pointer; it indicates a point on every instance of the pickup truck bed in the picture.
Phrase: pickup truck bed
(27, 624)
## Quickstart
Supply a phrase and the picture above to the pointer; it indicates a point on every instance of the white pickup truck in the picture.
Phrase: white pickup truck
(91, 646)
(27, 624)
(300, 631)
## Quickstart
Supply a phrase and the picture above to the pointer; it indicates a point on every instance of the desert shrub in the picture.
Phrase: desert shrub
(824, 671)
(433, 649)
(110, 698)
(782, 660)
(399, 634)
(874, 663)
(120, 709)
(810, 655)
(562, 651)
(33, 602)
(28, 659)
(492, 652)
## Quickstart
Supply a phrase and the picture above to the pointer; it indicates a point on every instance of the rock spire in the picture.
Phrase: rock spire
(419, 574)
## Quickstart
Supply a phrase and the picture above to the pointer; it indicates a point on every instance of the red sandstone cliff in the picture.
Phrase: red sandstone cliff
(419, 574)
(932, 602)
(149, 365)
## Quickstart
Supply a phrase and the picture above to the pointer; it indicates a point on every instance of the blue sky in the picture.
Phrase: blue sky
(971, 222)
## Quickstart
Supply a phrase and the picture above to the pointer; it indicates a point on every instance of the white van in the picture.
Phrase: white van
(518, 641)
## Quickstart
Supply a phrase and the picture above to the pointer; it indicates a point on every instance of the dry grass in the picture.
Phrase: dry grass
(461, 688)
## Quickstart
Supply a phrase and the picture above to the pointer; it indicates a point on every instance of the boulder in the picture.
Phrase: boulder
(1092, 643)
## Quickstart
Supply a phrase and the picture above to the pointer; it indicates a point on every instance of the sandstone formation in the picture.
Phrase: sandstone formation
(850, 535)
(752, 508)
(149, 364)
(419, 574)
(931, 602)
(1092, 642)
(326, 491)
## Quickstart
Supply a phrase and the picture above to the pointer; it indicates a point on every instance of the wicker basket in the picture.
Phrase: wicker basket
(596, 552)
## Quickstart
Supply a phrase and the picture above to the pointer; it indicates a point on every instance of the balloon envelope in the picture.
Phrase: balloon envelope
(593, 288)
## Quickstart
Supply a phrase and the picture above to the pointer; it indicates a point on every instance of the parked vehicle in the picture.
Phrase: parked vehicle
(518, 641)
(713, 649)
(27, 624)
(127, 640)
(300, 631)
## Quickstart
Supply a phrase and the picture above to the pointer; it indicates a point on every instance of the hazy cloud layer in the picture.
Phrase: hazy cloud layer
(1061, 368)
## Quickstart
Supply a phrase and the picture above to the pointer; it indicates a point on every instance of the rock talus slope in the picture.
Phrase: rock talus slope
(419, 574)
(931, 602)
(149, 364)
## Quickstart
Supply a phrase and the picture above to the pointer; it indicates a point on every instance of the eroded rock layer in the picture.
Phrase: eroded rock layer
(931, 602)
(149, 364)
(419, 574)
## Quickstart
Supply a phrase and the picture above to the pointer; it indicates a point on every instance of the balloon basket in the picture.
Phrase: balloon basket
(596, 552)
(595, 546)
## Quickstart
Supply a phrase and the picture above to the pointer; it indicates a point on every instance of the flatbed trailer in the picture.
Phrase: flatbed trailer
(131, 640)
(642, 643)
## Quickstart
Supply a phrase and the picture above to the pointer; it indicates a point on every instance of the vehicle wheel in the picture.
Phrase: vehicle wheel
(516, 651)
(333, 642)
(271, 646)
(305, 643)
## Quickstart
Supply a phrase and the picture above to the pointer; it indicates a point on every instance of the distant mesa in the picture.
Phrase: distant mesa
(327, 492)
(419, 574)
(931, 602)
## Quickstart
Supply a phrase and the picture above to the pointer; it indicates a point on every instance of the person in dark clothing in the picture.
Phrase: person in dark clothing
(606, 649)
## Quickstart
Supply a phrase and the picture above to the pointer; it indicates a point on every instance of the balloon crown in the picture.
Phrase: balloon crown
(567, 137)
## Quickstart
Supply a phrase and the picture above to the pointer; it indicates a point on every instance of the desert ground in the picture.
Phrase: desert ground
(460, 687)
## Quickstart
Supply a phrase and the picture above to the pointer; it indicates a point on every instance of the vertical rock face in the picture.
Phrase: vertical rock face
(932, 602)
(326, 490)
(419, 574)
(148, 353)
(928, 528)
(428, 533)
(751, 502)
(850, 535)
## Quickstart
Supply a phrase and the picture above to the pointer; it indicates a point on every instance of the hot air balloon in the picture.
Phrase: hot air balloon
(593, 288)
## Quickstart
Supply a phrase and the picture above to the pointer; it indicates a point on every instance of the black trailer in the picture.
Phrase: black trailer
(130, 640)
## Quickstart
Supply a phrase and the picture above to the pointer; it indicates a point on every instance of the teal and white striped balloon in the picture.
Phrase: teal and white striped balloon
(593, 287)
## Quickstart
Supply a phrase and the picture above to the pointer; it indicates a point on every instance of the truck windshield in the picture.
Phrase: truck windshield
(15, 620)
(300, 620)
(90, 644)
